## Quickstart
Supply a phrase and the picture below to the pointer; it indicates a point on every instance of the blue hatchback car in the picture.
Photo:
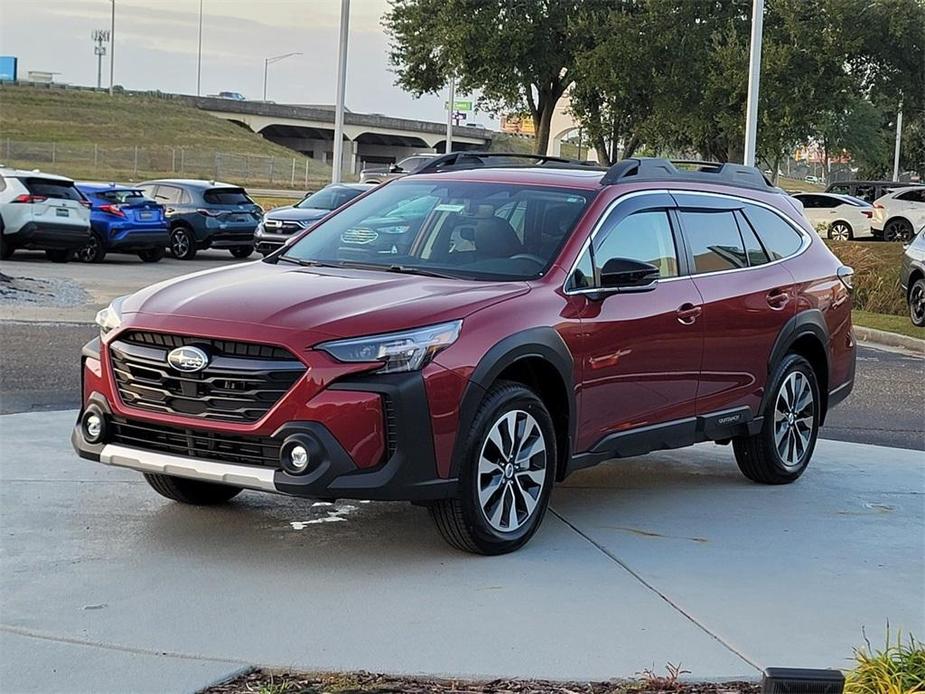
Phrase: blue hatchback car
(123, 220)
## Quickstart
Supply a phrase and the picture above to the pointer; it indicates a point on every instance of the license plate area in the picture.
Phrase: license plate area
(62, 212)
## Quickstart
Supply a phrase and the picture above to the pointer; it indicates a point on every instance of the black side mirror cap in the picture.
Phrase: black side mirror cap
(626, 273)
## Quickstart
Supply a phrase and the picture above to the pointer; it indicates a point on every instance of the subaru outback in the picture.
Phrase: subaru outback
(498, 329)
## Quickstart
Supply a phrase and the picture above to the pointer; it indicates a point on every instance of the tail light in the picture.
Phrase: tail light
(846, 276)
(113, 210)
(86, 203)
(29, 199)
(879, 206)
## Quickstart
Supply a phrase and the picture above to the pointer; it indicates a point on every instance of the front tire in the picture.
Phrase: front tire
(192, 492)
(182, 243)
(917, 303)
(897, 230)
(780, 452)
(242, 251)
(508, 470)
(58, 255)
(840, 231)
(93, 252)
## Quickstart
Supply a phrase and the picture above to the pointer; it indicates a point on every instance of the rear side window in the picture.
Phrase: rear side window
(753, 248)
(839, 189)
(168, 194)
(714, 240)
(912, 196)
(2, 183)
(226, 196)
(777, 236)
(59, 190)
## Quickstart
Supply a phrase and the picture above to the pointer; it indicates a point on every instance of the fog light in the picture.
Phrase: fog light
(298, 458)
(94, 426)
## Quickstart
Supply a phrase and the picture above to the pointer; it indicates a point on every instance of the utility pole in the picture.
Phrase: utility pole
(754, 79)
(199, 58)
(450, 110)
(899, 137)
(266, 64)
(99, 36)
(112, 46)
(337, 173)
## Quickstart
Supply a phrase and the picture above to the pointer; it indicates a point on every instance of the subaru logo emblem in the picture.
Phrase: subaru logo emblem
(188, 359)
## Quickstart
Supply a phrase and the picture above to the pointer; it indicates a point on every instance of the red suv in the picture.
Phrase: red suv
(466, 338)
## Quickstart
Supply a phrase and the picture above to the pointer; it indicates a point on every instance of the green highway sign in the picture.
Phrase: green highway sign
(459, 105)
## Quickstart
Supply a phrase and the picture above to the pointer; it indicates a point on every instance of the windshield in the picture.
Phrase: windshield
(491, 231)
(328, 198)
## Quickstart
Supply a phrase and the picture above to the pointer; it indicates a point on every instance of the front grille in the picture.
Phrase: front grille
(241, 382)
(282, 227)
(193, 443)
(359, 236)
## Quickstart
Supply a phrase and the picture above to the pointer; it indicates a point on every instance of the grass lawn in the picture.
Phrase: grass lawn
(892, 324)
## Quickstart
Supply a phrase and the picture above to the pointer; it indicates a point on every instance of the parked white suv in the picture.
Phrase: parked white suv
(42, 211)
(899, 213)
(840, 217)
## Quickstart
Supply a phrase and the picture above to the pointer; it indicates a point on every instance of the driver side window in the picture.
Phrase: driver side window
(643, 236)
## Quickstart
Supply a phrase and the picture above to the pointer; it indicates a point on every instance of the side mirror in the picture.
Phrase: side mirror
(394, 168)
(626, 273)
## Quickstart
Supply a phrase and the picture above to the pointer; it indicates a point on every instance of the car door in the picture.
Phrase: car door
(911, 205)
(747, 299)
(639, 352)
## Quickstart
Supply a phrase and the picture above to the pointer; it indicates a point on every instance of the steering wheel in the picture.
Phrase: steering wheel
(529, 256)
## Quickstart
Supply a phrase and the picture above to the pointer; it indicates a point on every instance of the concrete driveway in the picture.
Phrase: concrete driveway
(669, 557)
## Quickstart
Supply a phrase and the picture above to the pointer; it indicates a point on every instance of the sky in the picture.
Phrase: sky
(157, 41)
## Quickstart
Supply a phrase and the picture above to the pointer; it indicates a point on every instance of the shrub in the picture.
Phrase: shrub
(876, 275)
(898, 668)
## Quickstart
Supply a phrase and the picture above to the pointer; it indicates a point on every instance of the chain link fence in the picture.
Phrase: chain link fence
(137, 163)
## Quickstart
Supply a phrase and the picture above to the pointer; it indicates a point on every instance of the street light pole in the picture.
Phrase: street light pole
(266, 65)
(449, 116)
(899, 137)
(337, 173)
(112, 46)
(199, 58)
(754, 78)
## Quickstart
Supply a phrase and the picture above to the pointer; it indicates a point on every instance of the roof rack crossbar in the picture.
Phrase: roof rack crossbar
(477, 159)
(654, 169)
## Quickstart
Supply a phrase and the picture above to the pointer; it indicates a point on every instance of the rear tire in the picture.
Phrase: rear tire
(191, 492)
(93, 252)
(508, 470)
(917, 303)
(182, 243)
(152, 255)
(59, 256)
(780, 452)
(6, 248)
(241, 251)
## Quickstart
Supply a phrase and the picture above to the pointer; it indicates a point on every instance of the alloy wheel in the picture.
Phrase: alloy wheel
(511, 471)
(794, 417)
(88, 253)
(917, 303)
(179, 244)
(897, 230)
(839, 231)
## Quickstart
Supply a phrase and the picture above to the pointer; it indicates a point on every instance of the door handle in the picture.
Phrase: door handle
(687, 313)
(778, 298)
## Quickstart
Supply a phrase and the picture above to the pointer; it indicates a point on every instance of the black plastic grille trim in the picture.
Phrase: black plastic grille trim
(196, 443)
(224, 347)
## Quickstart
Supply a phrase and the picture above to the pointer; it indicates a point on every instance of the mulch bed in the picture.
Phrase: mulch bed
(264, 682)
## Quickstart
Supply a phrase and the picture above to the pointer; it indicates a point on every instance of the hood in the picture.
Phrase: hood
(301, 214)
(339, 302)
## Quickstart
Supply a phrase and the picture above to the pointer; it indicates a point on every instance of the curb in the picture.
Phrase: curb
(882, 337)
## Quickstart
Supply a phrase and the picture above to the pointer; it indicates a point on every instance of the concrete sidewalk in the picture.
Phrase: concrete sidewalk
(669, 557)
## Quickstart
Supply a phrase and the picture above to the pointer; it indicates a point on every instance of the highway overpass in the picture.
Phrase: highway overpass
(368, 138)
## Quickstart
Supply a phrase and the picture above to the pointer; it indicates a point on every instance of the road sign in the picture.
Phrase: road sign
(459, 105)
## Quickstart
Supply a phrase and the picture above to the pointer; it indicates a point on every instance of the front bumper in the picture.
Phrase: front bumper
(406, 470)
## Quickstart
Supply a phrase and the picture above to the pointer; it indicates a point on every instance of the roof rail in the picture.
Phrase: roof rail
(653, 169)
(472, 159)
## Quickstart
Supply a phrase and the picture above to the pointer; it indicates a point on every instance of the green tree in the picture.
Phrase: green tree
(519, 54)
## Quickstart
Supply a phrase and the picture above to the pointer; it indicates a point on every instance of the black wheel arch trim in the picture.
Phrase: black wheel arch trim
(808, 322)
(542, 342)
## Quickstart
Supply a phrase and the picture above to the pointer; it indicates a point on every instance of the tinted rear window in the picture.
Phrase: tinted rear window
(777, 236)
(226, 196)
(49, 188)
(121, 196)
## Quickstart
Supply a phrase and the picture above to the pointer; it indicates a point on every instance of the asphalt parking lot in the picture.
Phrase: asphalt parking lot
(671, 557)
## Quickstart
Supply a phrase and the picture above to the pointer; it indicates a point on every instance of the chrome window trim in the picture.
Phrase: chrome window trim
(807, 240)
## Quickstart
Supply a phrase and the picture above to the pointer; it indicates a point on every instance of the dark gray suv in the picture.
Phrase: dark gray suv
(206, 214)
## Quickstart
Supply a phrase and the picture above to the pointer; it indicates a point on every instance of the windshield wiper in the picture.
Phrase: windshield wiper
(414, 270)
(307, 262)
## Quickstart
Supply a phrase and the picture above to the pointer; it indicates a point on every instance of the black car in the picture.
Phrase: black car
(912, 278)
(866, 190)
(281, 223)
(206, 214)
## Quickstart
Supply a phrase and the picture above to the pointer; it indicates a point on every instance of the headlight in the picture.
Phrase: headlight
(408, 350)
(110, 317)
